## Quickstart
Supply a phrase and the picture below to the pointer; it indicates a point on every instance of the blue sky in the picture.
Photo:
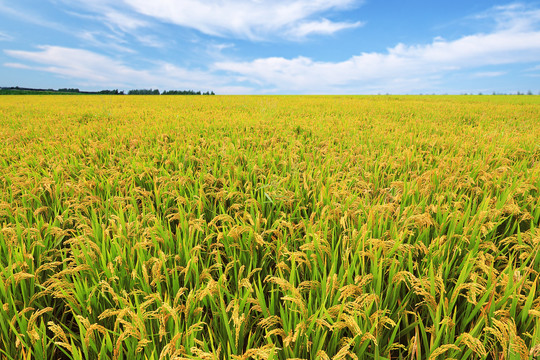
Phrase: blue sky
(272, 46)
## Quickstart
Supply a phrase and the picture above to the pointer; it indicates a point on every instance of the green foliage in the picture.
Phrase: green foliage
(68, 90)
(270, 227)
(144, 92)
(186, 92)
(64, 91)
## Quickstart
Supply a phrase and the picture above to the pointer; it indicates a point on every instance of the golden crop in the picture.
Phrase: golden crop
(269, 227)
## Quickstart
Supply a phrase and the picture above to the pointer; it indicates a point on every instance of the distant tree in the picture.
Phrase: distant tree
(111, 92)
(143, 92)
(186, 92)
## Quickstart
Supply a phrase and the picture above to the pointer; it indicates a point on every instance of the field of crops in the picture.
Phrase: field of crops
(268, 227)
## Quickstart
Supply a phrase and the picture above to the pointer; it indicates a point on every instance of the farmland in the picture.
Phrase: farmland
(262, 227)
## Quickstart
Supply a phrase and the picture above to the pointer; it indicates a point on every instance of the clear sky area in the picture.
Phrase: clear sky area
(272, 46)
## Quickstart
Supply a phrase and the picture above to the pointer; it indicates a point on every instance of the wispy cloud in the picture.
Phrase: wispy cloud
(5, 37)
(322, 27)
(533, 71)
(114, 15)
(488, 74)
(97, 70)
(534, 68)
(515, 16)
(122, 20)
(120, 23)
(18, 66)
(104, 41)
(247, 19)
(150, 41)
(30, 17)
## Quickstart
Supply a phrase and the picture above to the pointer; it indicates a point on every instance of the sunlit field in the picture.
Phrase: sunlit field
(223, 227)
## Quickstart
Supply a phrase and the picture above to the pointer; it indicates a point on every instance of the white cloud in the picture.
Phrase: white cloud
(534, 68)
(122, 20)
(75, 63)
(397, 70)
(516, 16)
(402, 68)
(484, 74)
(98, 70)
(323, 27)
(116, 41)
(18, 66)
(150, 41)
(113, 14)
(216, 51)
(5, 37)
(30, 17)
(104, 40)
(250, 19)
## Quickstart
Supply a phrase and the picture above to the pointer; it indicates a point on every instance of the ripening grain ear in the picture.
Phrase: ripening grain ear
(269, 227)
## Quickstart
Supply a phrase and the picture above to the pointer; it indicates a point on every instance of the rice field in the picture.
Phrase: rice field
(269, 227)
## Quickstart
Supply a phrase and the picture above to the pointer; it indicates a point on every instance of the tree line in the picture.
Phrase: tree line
(168, 92)
(73, 91)
(16, 90)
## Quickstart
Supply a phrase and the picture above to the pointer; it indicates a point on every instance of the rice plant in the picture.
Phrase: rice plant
(307, 227)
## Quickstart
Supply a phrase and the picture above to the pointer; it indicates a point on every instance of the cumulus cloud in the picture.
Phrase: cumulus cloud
(398, 69)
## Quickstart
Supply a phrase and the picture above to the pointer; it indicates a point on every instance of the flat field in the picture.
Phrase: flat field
(311, 227)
